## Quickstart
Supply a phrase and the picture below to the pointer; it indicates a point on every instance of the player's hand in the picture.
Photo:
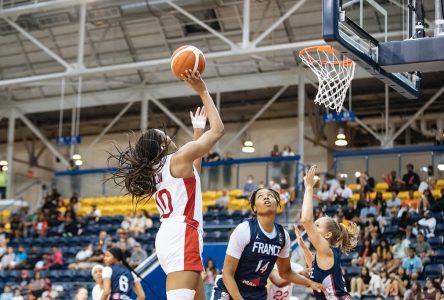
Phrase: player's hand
(310, 179)
(199, 119)
(317, 287)
(298, 234)
(194, 80)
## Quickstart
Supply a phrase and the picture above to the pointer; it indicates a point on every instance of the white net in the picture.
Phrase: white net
(334, 74)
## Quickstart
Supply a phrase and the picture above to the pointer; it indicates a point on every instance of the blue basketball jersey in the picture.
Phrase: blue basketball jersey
(255, 264)
(122, 282)
(332, 279)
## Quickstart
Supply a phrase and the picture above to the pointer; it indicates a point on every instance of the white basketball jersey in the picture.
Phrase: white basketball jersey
(179, 199)
(283, 293)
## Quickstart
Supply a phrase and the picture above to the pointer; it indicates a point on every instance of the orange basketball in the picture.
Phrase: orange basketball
(187, 58)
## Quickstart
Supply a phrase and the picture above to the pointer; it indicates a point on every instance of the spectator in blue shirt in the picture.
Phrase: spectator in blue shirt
(249, 186)
(367, 210)
(394, 204)
(412, 263)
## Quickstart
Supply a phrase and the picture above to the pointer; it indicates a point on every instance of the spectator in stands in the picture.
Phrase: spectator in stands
(332, 182)
(249, 187)
(82, 257)
(34, 257)
(432, 290)
(56, 260)
(273, 185)
(367, 210)
(366, 182)
(428, 222)
(426, 201)
(374, 264)
(38, 285)
(423, 248)
(20, 257)
(439, 203)
(287, 165)
(140, 223)
(392, 289)
(105, 240)
(82, 294)
(40, 225)
(7, 261)
(74, 204)
(412, 202)
(71, 227)
(390, 264)
(209, 277)
(378, 283)
(94, 214)
(351, 213)
(380, 203)
(97, 256)
(342, 194)
(223, 200)
(17, 295)
(429, 181)
(406, 220)
(360, 283)
(7, 293)
(412, 263)
(440, 279)
(138, 256)
(366, 251)
(324, 196)
(17, 226)
(96, 273)
(125, 239)
(275, 167)
(383, 249)
(410, 180)
(400, 248)
(394, 182)
(394, 204)
(50, 293)
(24, 279)
(414, 293)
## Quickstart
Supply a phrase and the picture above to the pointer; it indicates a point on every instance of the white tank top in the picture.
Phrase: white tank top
(283, 293)
(179, 199)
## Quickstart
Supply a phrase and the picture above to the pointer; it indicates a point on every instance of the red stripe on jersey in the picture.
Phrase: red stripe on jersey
(190, 186)
(333, 286)
(192, 259)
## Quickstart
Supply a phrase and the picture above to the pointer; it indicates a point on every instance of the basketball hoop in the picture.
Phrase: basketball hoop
(334, 74)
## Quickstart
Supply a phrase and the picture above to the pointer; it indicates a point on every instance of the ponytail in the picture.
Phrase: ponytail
(348, 238)
(120, 256)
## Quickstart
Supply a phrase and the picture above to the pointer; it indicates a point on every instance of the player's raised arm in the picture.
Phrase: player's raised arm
(198, 120)
(196, 149)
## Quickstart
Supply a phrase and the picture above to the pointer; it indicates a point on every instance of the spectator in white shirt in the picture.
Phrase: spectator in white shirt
(82, 258)
(324, 195)
(429, 222)
(342, 194)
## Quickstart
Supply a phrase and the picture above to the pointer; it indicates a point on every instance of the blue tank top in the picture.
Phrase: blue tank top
(122, 282)
(256, 262)
(332, 279)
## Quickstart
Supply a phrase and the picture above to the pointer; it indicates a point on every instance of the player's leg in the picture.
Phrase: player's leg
(200, 291)
(182, 285)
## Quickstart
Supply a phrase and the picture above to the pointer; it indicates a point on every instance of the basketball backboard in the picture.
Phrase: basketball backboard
(358, 28)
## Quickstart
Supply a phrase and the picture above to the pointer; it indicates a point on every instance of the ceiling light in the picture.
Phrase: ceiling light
(341, 135)
(341, 143)
(79, 162)
(248, 143)
(4, 168)
(357, 174)
(248, 149)
(76, 157)
(441, 167)
(3, 163)
(343, 175)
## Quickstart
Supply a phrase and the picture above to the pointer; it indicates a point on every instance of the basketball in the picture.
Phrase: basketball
(187, 58)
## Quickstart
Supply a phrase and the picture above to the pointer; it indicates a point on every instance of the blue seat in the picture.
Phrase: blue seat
(439, 256)
(439, 230)
(390, 231)
(435, 242)
(353, 271)
(432, 270)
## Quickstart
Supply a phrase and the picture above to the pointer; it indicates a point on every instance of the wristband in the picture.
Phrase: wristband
(198, 124)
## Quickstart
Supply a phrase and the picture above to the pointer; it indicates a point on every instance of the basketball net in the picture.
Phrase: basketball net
(334, 74)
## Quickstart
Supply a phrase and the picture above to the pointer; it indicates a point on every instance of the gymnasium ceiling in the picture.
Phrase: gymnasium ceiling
(122, 32)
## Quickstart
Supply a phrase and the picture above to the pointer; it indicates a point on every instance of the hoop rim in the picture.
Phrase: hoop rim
(327, 49)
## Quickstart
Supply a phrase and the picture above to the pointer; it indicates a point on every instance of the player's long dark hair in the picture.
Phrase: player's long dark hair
(138, 165)
(120, 256)
(275, 194)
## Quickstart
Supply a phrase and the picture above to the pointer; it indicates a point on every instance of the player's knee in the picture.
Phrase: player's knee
(181, 294)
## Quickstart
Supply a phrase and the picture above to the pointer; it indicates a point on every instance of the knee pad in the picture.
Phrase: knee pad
(181, 294)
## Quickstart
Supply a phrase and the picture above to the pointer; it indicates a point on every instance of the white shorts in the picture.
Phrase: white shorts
(179, 247)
